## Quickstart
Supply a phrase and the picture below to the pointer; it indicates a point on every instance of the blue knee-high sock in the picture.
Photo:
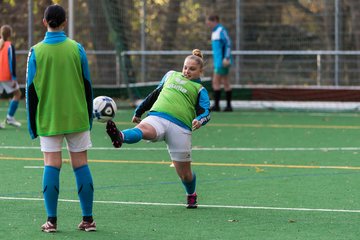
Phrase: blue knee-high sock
(51, 189)
(12, 108)
(85, 189)
(132, 135)
(190, 186)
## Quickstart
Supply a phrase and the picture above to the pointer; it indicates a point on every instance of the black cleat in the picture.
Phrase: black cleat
(228, 109)
(114, 133)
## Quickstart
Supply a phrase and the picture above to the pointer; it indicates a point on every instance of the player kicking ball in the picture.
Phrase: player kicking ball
(178, 106)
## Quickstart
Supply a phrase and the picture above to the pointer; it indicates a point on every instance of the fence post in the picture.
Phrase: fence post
(337, 41)
(30, 22)
(143, 39)
(238, 37)
(71, 19)
(318, 72)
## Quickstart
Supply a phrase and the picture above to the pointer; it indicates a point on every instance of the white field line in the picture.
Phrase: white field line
(34, 167)
(277, 149)
(202, 206)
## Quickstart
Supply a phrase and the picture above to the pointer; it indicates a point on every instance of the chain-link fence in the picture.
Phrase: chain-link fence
(109, 28)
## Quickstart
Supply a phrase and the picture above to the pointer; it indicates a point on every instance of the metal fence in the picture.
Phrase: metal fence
(283, 43)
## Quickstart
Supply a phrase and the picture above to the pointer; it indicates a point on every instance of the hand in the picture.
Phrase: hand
(226, 62)
(136, 119)
(196, 124)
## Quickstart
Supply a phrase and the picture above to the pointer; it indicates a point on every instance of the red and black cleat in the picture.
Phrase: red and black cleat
(192, 201)
(114, 133)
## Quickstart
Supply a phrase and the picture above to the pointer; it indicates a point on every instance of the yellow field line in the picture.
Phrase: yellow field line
(202, 164)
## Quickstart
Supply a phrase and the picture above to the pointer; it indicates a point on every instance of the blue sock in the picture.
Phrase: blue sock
(51, 189)
(132, 135)
(12, 107)
(190, 186)
(85, 189)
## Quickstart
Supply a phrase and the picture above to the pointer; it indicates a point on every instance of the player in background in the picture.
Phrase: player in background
(59, 105)
(178, 106)
(221, 46)
(8, 80)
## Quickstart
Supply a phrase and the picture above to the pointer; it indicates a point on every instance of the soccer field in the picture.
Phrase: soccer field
(260, 175)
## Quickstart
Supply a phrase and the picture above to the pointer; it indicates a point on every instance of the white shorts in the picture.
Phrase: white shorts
(76, 142)
(9, 86)
(178, 139)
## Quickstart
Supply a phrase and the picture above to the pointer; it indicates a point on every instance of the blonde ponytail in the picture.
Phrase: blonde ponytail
(198, 53)
(197, 56)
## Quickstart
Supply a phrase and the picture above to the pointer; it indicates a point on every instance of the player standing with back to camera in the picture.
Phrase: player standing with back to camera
(59, 105)
(8, 80)
(221, 46)
(179, 105)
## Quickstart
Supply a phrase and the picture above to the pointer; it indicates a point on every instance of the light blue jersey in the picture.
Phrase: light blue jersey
(221, 45)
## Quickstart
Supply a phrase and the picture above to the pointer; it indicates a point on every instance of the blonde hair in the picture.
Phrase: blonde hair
(197, 56)
(5, 33)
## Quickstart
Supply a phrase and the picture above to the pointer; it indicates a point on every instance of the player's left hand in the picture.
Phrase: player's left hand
(196, 124)
(226, 62)
(136, 119)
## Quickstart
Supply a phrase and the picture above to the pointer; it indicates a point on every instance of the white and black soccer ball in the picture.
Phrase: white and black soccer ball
(104, 109)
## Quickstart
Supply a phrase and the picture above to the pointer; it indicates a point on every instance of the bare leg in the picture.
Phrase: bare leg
(188, 179)
(53, 159)
(78, 159)
(149, 132)
(216, 82)
(183, 169)
(16, 95)
(216, 85)
(225, 81)
(228, 92)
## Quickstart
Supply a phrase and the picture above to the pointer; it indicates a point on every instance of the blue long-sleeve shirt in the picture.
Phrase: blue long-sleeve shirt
(221, 45)
(12, 61)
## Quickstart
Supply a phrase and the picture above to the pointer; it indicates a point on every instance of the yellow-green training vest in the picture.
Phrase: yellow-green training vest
(178, 98)
(59, 85)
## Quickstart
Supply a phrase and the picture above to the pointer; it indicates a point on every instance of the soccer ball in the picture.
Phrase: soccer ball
(104, 108)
